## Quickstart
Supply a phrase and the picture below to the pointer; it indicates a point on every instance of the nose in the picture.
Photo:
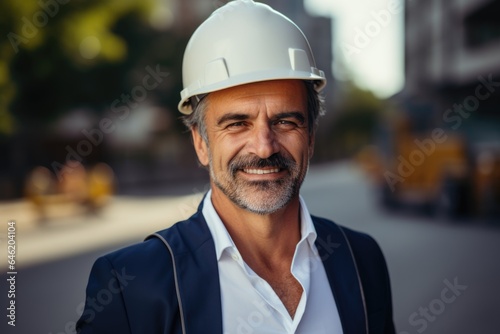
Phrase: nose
(263, 141)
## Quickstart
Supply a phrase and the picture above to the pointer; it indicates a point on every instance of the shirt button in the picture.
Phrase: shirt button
(235, 257)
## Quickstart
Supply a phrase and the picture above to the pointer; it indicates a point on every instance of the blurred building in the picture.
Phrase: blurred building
(449, 43)
(452, 63)
(447, 137)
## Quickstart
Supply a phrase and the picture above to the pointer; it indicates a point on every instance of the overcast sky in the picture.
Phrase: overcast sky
(368, 41)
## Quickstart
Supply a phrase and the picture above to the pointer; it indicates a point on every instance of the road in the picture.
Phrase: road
(444, 275)
(424, 257)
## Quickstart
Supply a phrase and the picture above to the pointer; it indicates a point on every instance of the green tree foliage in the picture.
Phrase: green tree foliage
(61, 54)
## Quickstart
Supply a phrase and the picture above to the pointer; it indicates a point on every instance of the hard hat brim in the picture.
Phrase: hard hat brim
(184, 105)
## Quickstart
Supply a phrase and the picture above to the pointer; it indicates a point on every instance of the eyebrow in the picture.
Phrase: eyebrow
(231, 117)
(291, 114)
(241, 117)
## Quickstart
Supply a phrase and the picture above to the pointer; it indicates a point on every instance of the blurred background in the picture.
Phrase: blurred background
(94, 156)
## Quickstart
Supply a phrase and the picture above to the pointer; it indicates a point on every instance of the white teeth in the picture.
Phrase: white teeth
(261, 171)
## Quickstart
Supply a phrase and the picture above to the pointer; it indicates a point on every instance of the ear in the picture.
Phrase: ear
(200, 147)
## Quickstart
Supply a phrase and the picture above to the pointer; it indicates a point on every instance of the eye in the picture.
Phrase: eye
(235, 125)
(285, 124)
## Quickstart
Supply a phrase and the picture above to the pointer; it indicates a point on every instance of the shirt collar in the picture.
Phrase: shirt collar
(223, 240)
(221, 236)
(307, 230)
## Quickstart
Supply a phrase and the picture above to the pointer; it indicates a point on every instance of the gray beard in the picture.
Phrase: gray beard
(260, 197)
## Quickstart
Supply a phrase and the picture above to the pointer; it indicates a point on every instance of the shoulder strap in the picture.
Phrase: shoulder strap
(359, 276)
(192, 251)
(343, 275)
(176, 280)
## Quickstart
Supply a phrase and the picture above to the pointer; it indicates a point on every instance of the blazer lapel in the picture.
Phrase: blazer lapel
(197, 274)
(342, 275)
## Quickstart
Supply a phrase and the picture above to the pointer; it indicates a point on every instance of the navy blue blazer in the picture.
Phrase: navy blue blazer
(139, 290)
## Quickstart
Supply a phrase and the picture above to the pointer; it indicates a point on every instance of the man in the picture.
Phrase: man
(252, 259)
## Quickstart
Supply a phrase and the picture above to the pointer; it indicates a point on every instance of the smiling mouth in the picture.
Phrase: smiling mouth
(261, 171)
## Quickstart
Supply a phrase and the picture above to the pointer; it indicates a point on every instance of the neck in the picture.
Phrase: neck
(267, 239)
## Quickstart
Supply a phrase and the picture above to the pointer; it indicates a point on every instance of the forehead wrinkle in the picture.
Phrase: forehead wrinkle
(251, 99)
(269, 102)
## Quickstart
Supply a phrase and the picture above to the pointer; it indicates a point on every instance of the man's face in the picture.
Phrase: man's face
(258, 146)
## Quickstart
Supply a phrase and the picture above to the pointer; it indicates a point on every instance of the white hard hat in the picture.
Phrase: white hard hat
(244, 42)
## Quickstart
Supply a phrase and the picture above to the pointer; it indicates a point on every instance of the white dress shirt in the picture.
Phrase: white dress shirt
(249, 303)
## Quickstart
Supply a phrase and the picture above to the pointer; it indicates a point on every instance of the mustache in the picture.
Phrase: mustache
(275, 160)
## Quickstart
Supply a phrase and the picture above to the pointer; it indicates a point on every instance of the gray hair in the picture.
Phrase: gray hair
(315, 107)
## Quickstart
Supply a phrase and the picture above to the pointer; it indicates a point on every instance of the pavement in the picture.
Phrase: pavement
(70, 230)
